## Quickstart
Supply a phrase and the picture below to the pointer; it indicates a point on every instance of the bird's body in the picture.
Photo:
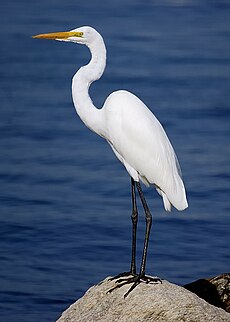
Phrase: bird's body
(140, 143)
(134, 134)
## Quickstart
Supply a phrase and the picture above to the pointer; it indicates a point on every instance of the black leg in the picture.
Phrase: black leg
(137, 279)
(148, 219)
(134, 218)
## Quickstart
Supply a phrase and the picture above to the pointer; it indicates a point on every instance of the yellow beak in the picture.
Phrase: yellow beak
(59, 35)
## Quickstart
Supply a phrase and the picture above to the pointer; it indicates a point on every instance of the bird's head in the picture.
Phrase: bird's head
(82, 35)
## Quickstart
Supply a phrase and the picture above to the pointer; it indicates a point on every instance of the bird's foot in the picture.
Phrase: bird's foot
(135, 279)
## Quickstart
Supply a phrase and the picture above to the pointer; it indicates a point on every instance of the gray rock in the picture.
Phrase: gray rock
(158, 302)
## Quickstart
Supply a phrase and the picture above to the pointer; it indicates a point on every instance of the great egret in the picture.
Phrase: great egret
(136, 137)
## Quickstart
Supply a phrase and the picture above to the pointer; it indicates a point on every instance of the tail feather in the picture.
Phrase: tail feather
(166, 202)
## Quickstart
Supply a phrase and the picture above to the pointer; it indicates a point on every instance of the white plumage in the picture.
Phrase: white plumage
(134, 133)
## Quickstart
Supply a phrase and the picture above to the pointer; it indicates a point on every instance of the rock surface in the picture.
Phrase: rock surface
(214, 290)
(158, 302)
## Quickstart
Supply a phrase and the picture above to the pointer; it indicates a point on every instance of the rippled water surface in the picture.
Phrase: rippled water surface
(65, 199)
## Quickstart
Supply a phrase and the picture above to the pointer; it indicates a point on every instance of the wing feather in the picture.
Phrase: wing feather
(141, 142)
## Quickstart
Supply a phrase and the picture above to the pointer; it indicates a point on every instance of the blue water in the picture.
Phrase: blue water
(65, 199)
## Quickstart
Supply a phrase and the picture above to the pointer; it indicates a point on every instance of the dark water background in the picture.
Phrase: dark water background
(65, 199)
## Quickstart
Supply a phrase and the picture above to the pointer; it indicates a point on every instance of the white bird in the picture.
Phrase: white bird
(135, 135)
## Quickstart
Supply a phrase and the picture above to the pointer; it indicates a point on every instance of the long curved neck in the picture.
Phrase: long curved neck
(89, 114)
